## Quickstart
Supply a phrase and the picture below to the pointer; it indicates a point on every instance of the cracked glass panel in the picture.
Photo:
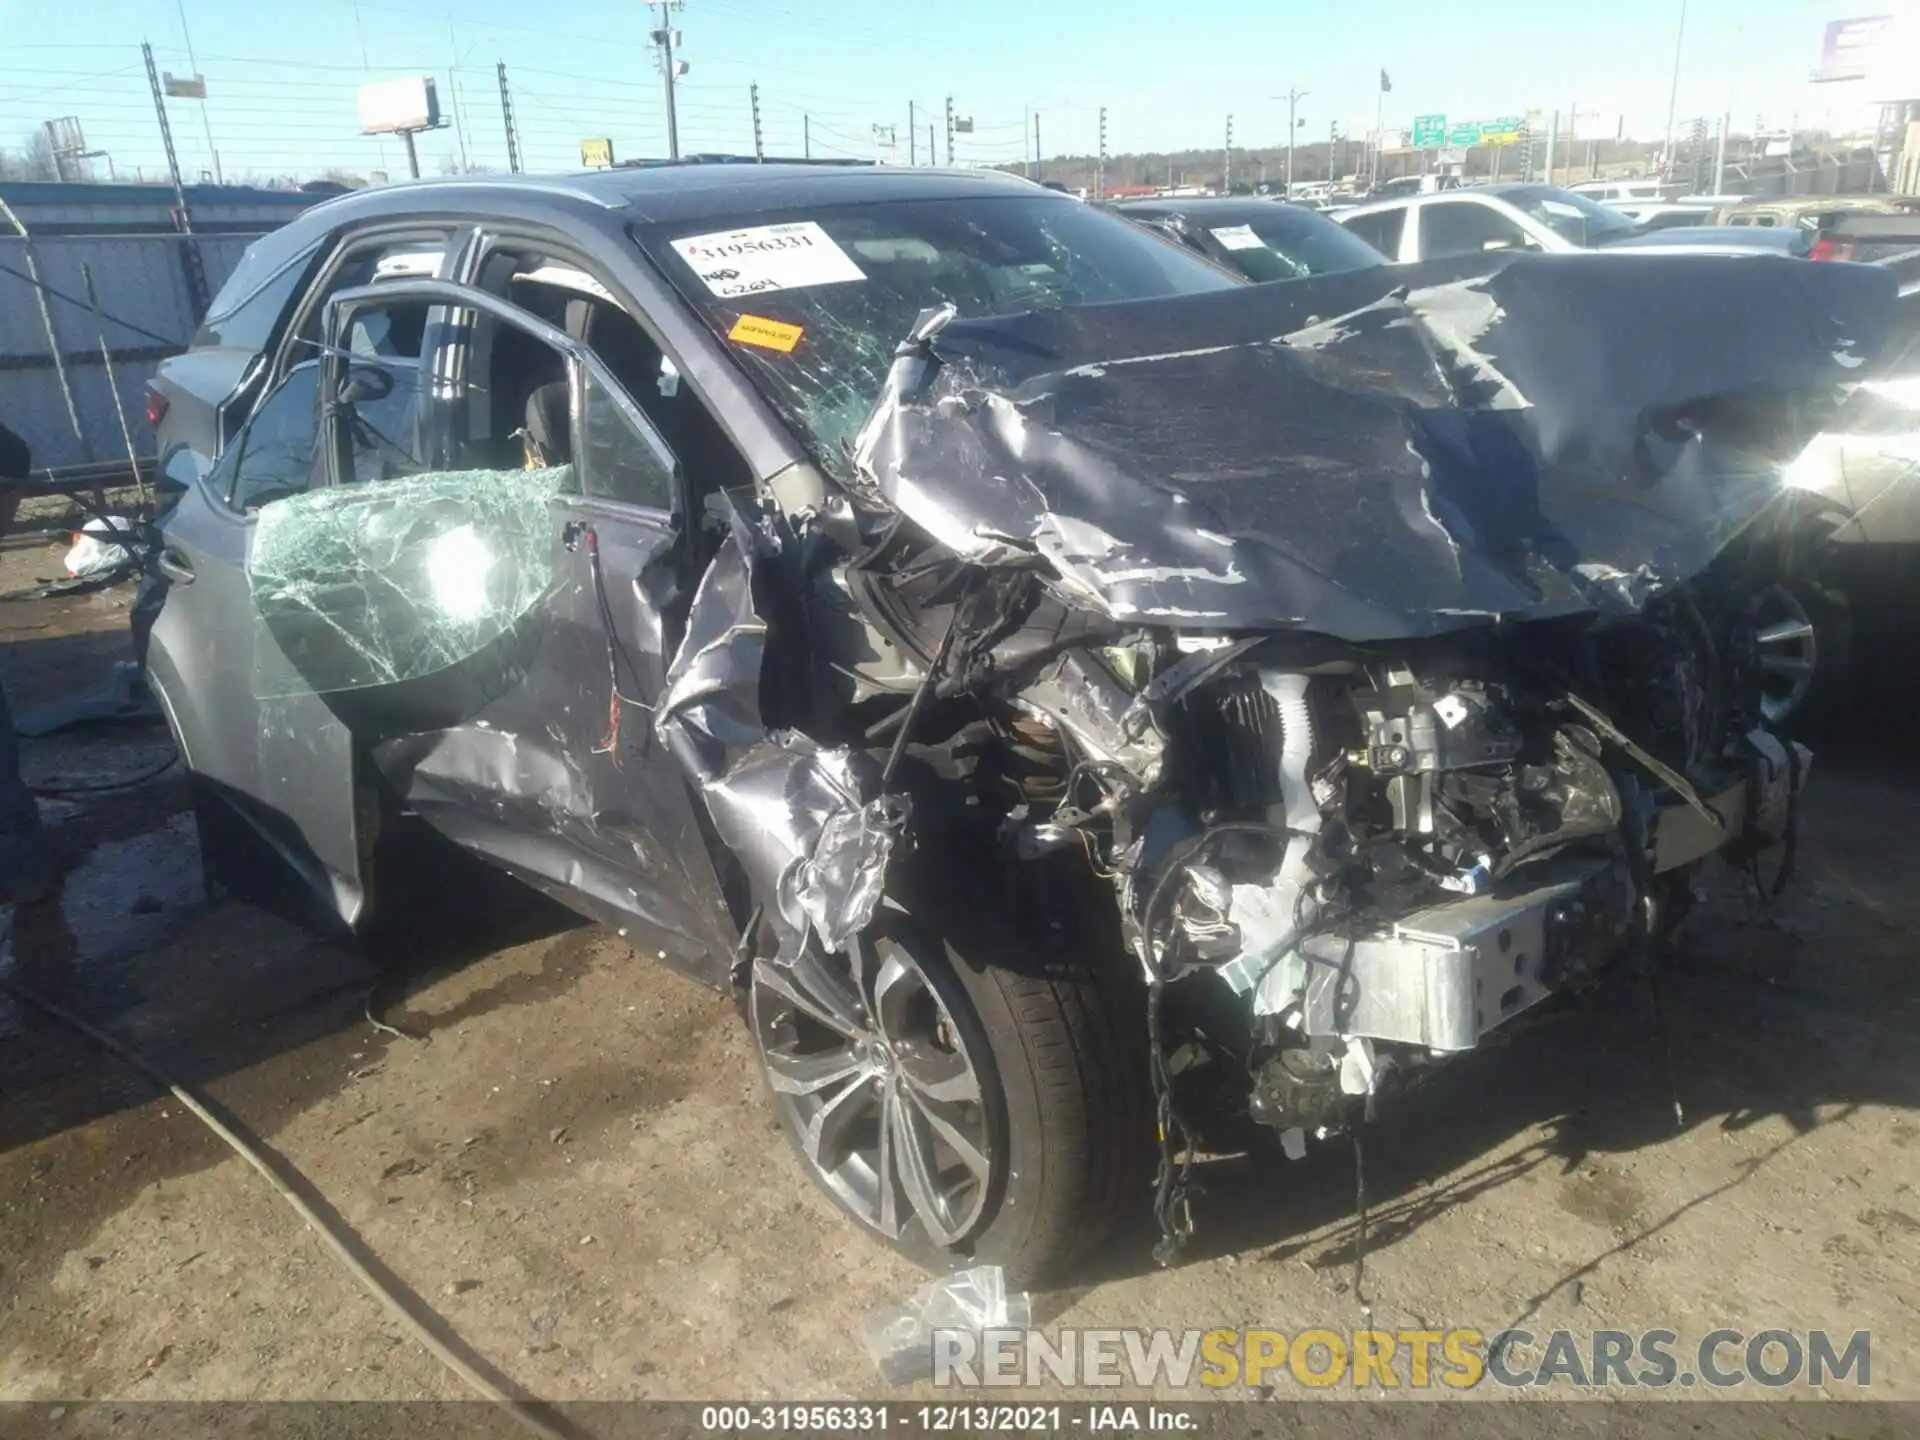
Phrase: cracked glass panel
(371, 585)
(819, 341)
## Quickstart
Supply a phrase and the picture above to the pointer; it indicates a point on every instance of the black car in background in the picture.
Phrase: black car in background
(1262, 239)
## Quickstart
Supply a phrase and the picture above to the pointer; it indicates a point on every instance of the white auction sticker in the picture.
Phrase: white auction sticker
(767, 257)
(1238, 237)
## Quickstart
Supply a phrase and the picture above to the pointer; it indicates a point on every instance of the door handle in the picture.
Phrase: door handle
(174, 566)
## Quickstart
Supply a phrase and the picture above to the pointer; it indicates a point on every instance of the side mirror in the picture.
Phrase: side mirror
(365, 383)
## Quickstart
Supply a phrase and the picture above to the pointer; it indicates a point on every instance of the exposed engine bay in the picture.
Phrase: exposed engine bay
(1364, 643)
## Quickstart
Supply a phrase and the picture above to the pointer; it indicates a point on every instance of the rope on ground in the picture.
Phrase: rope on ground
(332, 1234)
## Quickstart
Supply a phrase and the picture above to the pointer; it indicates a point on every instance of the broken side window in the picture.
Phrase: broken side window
(436, 541)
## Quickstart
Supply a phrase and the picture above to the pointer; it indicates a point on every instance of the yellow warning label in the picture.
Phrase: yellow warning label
(767, 334)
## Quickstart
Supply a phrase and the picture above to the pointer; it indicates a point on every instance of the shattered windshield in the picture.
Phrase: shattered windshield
(1583, 221)
(815, 301)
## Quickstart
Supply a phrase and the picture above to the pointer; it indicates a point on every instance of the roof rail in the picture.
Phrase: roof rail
(711, 158)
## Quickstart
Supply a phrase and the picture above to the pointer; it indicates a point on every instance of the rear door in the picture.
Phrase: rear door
(487, 604)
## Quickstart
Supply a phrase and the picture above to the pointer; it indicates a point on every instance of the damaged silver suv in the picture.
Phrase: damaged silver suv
(1075, 700)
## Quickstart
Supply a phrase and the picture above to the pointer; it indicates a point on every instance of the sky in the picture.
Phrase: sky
(282, 74)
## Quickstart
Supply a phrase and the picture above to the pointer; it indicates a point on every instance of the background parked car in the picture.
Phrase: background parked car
(1262, 239)
(1535, 217)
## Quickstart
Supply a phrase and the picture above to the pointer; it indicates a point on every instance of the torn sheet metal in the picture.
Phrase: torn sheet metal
(798, 817)
(371, 585)
(1083, 698)
(1344, 456)
(840, 886)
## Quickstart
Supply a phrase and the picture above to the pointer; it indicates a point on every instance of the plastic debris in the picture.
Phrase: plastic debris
(900, 1337)
(95, 555)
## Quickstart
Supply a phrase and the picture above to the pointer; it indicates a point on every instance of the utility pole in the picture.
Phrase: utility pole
(1226, 160)
(1379, 128)
(1293, 99)
(933, 153)
(949, 130)
(453, 90)
(1553, 133)
(913, 137)
(1720, 154)
(506, 118)
(1026, 165)
(1673, 90)
(1333, 142)
(57, 151)
(665, 39)
(806, 136)
(1039, 165)
(753, 99)
(1100, 164)
(190, 250)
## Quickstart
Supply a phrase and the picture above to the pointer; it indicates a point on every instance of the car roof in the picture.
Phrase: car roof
(688, 189)
(718, 186)
(1505, 188)
(1395, 202)
(1211, 208)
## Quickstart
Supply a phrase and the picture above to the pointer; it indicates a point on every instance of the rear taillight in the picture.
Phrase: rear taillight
(1827, 248)
(156, 407)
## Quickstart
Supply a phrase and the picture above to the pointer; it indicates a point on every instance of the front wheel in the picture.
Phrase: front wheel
(1801, 639)
(966, 1094)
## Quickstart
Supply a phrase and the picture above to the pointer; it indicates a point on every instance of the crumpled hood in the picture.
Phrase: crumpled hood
(1383, 453)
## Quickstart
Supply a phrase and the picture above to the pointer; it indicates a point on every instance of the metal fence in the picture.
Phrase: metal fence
(53, 372)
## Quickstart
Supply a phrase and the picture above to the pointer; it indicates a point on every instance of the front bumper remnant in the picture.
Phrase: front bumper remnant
(1442, 977)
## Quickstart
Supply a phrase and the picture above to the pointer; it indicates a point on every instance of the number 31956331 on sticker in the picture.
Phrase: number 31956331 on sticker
(767, 257)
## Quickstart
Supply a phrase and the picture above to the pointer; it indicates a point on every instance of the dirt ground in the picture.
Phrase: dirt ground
(566, 1154)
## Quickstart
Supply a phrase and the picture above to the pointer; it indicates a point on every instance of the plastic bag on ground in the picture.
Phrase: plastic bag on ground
(900, 1337)
(94, 552)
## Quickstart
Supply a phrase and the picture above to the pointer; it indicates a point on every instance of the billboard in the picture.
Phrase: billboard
(596, 154)
(390, 106)
(1849, 47)
(1429, 132)
(1881, 50)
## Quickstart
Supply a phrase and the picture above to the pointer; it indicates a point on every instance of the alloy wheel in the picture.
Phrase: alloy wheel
(1787, 647)
(878, 1086)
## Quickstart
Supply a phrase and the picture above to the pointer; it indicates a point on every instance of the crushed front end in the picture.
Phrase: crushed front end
(1364, 641)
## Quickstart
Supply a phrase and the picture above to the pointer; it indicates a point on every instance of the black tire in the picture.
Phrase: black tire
(1054, 1019)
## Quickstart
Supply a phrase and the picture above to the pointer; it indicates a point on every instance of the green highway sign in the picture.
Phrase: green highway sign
(1460, 135)
(1429, 132)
